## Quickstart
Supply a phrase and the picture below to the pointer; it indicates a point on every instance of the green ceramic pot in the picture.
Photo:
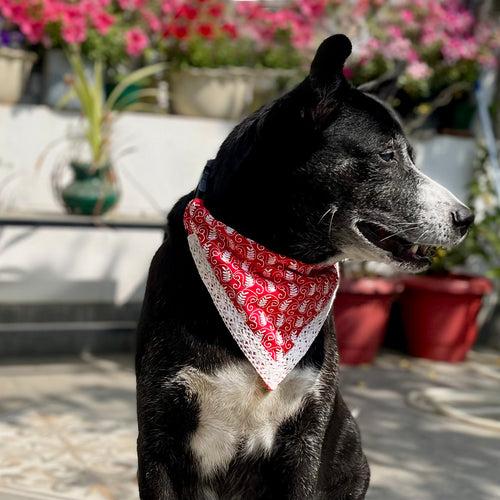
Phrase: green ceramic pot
(92, 191)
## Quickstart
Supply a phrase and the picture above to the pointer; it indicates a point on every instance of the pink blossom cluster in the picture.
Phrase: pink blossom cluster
(41, 20)
(33, 17)
(141, 23)
(414, 30)
(299, 18)
(406, 30)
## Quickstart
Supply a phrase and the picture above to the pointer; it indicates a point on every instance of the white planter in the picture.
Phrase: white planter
(15, 67)
(225, 93)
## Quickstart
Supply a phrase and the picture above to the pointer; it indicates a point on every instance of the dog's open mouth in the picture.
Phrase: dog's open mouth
(400, 249)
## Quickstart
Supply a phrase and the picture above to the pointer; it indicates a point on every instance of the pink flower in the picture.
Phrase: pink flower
(53, 11)
(454, 49)
(75, 32)
(369, 49)
(169, 6)
(399, 48)
(361, 8)
(301, 34)
(312, 8)
(14, 12)
(395, 31)
(459, 20)
(135, 42)
(73, 14)
(407, 16)
(152, 20)
(33, 31)
(430, 36)
(131, 4)
(103, 22)
(418, 70)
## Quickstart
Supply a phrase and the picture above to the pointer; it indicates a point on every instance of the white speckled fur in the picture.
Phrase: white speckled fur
(238, 413)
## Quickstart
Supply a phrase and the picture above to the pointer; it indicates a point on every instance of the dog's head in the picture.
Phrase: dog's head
(326, 172)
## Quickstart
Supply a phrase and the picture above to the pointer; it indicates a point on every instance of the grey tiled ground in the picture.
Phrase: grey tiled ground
(67, 431)
(419, 455)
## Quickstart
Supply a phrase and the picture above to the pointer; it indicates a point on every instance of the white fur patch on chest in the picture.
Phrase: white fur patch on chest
(238, 413)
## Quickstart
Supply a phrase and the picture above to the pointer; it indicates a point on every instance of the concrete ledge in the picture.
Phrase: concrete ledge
(66, 339)
(40, 330)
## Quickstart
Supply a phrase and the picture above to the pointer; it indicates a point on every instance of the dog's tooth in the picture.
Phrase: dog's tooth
(414, 249)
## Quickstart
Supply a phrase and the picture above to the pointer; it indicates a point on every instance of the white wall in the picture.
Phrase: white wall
(169, 152)
(92, 265)
(449, 161)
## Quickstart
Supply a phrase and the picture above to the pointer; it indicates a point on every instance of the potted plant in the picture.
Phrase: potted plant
(227, 60)
(97, 30)
(444, 46)
(94, 189)
(15, 63)
(361, 313)
(116, 33)
(214, 80)
(440, 309)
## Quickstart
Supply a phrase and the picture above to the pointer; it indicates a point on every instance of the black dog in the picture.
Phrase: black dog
(322, 174)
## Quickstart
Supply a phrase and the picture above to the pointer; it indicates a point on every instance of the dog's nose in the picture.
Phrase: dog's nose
(462, 219)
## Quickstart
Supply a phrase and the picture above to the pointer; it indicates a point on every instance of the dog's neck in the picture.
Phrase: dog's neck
(275, 227)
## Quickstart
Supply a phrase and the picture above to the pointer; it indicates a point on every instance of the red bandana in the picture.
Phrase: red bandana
(273, 306)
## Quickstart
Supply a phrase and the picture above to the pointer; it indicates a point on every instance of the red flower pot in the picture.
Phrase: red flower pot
(361, 313)
(440, 313)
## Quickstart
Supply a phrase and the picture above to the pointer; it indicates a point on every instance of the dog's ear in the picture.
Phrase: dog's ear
(326, 78)
(386, 86)
(328, 63)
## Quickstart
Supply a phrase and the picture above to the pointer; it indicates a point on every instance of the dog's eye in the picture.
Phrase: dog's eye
(387, 156)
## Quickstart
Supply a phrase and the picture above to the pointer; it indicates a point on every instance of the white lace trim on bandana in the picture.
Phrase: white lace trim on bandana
(271, 371)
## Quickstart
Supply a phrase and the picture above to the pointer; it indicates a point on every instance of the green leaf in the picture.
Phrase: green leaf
(132, 78)
(137, 95)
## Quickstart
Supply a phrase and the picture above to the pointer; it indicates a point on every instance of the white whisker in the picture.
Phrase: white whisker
(325, 214)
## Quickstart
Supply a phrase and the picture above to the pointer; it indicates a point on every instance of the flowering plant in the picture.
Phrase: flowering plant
(211, 33)
(441, 41)
(101, 29)
(195, 32)
(98, 109)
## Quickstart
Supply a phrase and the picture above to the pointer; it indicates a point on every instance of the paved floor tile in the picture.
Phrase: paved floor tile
(68, 431)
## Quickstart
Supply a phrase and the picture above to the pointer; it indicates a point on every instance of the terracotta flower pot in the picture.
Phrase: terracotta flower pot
(440, 313)
(361, 313)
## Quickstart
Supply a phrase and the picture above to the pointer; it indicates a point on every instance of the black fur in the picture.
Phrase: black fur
(293, 176)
